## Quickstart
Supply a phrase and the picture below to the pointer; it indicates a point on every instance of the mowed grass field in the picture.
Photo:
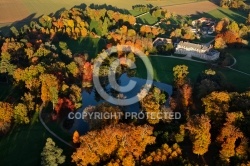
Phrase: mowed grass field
(163, 71)
(243, 59)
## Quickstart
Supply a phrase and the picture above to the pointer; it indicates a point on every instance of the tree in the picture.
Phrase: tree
(113, 142)
(131, 20)
(162, 155)
(216, 105)
(76, 96)
(228, 136)
(206, 86)
(87, 74)
(49, 88)
(152, 108)
(21, 114)
(6, 115)
(219, 43)
(51, 154)
(112, 115)
(76, 137)
(105, 25)
(199, 129)
(73, 69)
(151, 105)
(220, 26)
(180, 72)
(28, 101)
(234, 27)
(186, 93)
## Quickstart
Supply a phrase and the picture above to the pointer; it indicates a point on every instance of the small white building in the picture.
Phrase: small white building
(197, 50)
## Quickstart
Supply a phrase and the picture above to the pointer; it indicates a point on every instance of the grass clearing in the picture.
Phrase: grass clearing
(164, 71)
(147, 19)
(136, 12)
(89, 45)
(25, 144)
(243, 58)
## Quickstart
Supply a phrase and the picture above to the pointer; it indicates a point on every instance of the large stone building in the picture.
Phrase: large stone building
(197, 50)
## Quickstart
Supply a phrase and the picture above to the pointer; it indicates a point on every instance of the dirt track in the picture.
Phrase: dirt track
(192, 8)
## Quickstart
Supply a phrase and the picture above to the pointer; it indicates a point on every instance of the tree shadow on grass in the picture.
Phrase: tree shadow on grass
(109, 7)
(235, 17)
(5, 30)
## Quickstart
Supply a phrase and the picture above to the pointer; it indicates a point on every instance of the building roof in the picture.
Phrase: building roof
(193, 45)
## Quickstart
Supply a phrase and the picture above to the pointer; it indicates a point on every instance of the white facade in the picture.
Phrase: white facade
(197, 50)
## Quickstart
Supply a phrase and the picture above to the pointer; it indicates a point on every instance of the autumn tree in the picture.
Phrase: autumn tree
(151, 105)
(21, 114)
(180, 73)
(76, 96)
(216, 105)
(49, 88)
(179, 137)
(227, 138)
(76, 137)
(87, 74)
(220, 26)
(233, 26)
(219, 43)
(51, 154)
(199, 129)
(110, 115)
(122, 141)
(28, 101)
(6, 116)
(162, 155)
(186, 93)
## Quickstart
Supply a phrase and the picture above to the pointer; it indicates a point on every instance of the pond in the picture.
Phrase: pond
(90, 98)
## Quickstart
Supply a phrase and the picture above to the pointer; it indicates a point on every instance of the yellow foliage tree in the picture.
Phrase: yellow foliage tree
(199, 129)
(180, 73)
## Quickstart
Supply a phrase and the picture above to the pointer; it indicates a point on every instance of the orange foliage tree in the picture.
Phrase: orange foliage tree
(121, 141)
(76, 137)
(6, 115)
(162, 155)
(87, 74)
(228, 136)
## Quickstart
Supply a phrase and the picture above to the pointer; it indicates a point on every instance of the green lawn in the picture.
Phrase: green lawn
(147, 19)
(135, 12)
(92, 46)
(243, 59)
(23, 145)
(163, 68)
